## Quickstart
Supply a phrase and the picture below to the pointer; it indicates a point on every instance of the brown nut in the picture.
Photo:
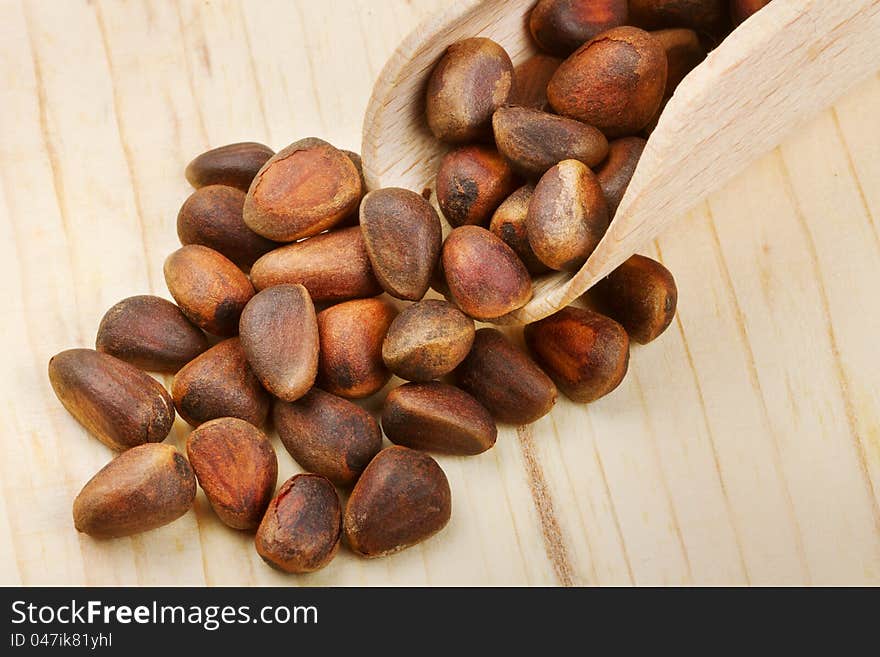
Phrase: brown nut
(116, 402)
(150, 333)
(471, 182)
(303, 190)
(210, 290)
(234, 165)
(472, 79)
(614, 82)
(350, 363)
(585, 353)
(683, 52)
(236, 467)
(332, 267)
(742, 9)
(403, 236)
(302, 527)
(211, 216)
(567, 217)
(279, 335)
(509, 223)
(141, 489)
(533, 141)
(485, 278)
(617, 170)
(561, 26)
(708, 17)
(427, 340)
(437, 417)
(328, 435)
(641, 295)
(402, 499)
(220, 383)
(530, 81)
(505, 380)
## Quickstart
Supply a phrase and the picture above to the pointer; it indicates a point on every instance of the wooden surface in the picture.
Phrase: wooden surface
(744, 446)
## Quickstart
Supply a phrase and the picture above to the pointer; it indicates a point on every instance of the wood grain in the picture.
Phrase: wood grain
(743, 448)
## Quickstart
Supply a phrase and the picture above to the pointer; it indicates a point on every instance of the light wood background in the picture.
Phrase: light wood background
(743, 448)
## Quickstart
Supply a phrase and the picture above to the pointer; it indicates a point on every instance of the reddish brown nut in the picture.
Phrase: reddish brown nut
(150, 333)
(505, 380)
(403, 236)
(509, 223)
(533, 141)
(303, 190)
(302, 527)
(210, 290)
(402, 499)
(485, 278)
(220, 383)
(332, 267)
(683, 52)
(279, 335)
(328, 435)
(471, 182)
(350, 363)
(742, 9)
(567, 217)
(708, 17)
(437, 417)
(146, 487)
(641, 295)
(618, 168)
(427, 340)
(234, 165)
(116, 402)
(472, 79)
(236, 467)
(585, 353)
(561, 26)
(212, 217)
(530, 81)
(614, 82)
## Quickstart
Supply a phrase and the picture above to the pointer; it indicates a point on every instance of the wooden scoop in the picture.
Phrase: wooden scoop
(783, 65)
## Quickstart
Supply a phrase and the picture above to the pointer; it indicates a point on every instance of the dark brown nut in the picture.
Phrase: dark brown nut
(437, 417)
(509, 223)
(438, 281)
(234, 165)
(220, 383)
(116, 402)
(708, 17)
(505, 380)
(279, 335)
(567, 217)
(212, 217)
(236, 467)
(742, 9)
(332, 267)
(614, 82)
(301, 530)
(641, 295)
(146, 487)
(618, 168)
(471, 182)
(353, 218)
(485, 278)
(402, 234)
(585, 353)
(328, 435)
(472, 79)
(350, 363)
(210, 290)
(533, 141)
(683, 52)
(402, 499)
(427, 340)
(150, 333)
(562, 26)
(530, 81)
(303, 190)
